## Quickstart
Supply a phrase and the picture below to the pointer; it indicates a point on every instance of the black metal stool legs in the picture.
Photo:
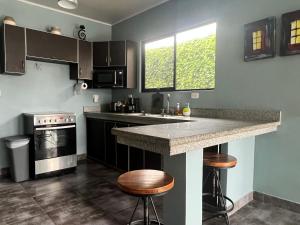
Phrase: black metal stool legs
(146, 221)
(221, 209)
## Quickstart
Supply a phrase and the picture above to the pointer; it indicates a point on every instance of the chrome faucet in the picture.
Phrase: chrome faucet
(168, 104)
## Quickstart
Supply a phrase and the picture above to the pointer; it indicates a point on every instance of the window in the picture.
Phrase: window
(184, 61)
(159, 69)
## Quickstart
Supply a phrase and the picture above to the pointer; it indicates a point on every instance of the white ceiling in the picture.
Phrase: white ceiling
(106, 11)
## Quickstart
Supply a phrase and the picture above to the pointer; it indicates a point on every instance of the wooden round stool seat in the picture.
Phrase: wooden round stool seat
(145, 182)
(219, 160)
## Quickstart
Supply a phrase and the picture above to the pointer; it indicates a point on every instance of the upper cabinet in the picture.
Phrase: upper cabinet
(50, 47)
(100, 54)
(112, 53)
(13, 50)
(83, 70)
(117, 53)
(19, 44)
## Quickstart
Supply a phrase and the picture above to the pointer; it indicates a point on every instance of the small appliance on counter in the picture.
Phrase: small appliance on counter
(117, 107)
(130, 105)
(53, 143)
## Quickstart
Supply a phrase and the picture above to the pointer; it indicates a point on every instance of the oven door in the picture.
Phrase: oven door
(54, 141)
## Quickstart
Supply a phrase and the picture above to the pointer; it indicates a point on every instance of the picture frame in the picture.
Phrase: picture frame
(260, 39)
(290, 33)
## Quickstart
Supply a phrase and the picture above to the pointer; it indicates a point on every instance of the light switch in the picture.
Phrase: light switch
(95, 98)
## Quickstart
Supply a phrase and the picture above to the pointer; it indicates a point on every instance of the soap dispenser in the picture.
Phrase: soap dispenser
(186, 110)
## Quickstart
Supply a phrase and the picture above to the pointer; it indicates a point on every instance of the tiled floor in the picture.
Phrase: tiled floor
(90, 196)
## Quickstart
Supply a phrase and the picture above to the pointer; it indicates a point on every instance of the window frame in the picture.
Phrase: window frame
(143, 69)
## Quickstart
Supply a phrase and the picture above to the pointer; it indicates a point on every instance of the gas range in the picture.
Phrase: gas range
(53, 147)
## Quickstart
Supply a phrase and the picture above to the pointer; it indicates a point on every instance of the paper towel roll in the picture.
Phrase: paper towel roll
(83, 86)
(79, 87)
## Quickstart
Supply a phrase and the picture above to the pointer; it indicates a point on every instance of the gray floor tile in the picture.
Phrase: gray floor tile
(90, 197)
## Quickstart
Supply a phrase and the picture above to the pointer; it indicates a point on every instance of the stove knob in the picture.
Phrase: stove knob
(50, 121)
(72, 120)
(55, 121)
(67, 120)
(45, 121)
(39, 121)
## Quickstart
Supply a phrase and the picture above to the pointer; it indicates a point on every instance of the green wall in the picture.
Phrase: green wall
(49, 87)
(265, 84)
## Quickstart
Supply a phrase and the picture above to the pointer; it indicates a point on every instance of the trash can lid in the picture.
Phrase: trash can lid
(16, 141)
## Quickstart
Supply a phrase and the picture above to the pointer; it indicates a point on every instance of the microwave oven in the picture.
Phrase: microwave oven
(109, 78)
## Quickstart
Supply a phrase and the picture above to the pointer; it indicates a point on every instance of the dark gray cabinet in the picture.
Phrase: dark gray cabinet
(45, 46)
(100, 54)
(114, 53)
(83, 70)
(102, 146)
(13, 50)
(110, 144)
(117, 53)
(122, 152)
(96, 139)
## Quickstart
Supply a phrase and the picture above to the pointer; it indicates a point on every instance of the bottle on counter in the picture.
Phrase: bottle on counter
(178, 110)
(130, 105)
(187, 110)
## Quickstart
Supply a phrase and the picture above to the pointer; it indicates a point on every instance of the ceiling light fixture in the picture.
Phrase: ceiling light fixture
(68, 4)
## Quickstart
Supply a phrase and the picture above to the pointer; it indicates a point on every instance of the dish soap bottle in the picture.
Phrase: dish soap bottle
(187, 110)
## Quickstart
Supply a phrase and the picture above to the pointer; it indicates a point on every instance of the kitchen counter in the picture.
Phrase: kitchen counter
(181, 141)
(180, 137)
(173, 135)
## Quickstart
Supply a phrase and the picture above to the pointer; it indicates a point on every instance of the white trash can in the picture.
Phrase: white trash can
(18, 147)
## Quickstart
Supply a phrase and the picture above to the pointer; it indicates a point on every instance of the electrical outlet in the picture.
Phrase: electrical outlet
(95, 98)
(195, 95)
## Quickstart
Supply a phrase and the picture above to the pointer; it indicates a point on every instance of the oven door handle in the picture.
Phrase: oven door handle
(56, 128)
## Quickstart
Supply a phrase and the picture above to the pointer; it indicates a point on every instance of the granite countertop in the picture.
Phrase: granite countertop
(176, 135)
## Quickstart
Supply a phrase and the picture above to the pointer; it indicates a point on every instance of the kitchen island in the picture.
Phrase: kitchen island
(181, 143)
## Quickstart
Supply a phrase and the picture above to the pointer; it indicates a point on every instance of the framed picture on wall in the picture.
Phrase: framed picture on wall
(290, 34)
(260, 39)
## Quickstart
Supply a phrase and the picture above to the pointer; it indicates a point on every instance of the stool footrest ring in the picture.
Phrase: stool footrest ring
(216, 209)
(141, 222)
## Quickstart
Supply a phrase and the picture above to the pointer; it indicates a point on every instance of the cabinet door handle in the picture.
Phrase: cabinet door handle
(23, 64)
(80, 71)
(115, 78)
(106, 59)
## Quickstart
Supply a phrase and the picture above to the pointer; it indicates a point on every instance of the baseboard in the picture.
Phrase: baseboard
(81, 157)
(241, 203)
(278, 202)
(4, 173)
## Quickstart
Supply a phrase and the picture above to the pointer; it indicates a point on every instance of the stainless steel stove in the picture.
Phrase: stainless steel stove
(53, 142)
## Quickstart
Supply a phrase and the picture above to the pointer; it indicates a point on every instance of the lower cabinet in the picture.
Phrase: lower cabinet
(153, 160)
(110, 144)
(122, 153)
(137, 158)
(95, 139)
(102, 146)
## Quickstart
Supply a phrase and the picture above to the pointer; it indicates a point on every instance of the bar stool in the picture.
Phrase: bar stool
(217, 162)
(145, 184)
